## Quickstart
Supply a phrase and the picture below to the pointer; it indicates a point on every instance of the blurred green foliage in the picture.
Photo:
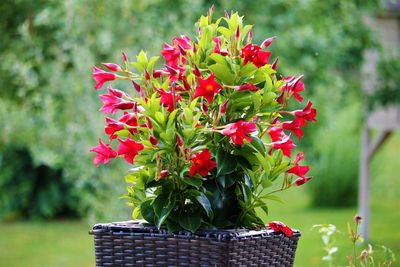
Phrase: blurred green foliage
(49, 110)
(388, 91)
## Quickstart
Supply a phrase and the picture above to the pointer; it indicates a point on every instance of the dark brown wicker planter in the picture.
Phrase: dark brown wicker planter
(133, 244)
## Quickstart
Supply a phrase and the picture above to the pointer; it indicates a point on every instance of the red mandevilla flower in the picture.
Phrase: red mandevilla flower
(248, 87)
(297, 169)
(292, 86)
(294, 126)
(114, 100)
(202, 163)
(104, 153)
(101, 76)
(254, 54)
(129, 148)
(127, 121)
(172, 53)
(207, 88)
(238, 131)
(167, 99)
(281, 141)
(280, 227)
(307, 114)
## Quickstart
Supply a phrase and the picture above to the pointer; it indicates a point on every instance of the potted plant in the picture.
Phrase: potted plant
(208, 137)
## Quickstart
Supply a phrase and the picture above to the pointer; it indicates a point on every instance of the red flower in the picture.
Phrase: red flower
(281, 141)
(294, 126)
(127, 121)
(167, 99)
(153, 140)
(255, 55)
(172, 53)
(202, 163)
(238, 131)
(112, 66)
(207, 88)
(114, 100)
(307, 114)
(101, 76)
(280, 227)
(297, 169)
(129, 148)
(104, 153)
(292, 86)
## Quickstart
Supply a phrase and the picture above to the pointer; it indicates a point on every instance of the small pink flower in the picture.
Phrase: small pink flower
(293, 86)
(307, 114)
(104, 153)
(101, 76)
(168, 99)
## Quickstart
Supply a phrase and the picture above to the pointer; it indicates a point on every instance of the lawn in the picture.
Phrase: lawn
(67, 243)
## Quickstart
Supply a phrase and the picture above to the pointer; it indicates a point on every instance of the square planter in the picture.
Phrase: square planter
(134, 243)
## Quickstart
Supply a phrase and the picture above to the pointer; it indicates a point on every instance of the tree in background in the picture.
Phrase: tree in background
(47, 105)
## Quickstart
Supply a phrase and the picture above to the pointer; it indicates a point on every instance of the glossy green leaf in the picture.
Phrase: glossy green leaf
(190, 221)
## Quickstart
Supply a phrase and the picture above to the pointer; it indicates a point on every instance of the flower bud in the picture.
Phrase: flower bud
(149, 123)
(196, 71)
(226, 14)
(357, 219)
(124, 57)
(146, 75)
(250, 37)
(179, 140)
(153, 140)
(237, 33)
(164, 173)
(204, 107)
(275, 63)
(137, 86)
(267, 42)
(223, 107)
(112, 66)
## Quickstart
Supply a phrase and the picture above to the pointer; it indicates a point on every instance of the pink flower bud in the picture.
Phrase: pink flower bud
(194, 48)
(301, 180)
(181, 50)
(196, 71)
(250, 37)
(149, 123)
(153, 140)
(267, 42)
(137, 86)
(226, 14)
(223, 107)
(179, 140)
(357, 219)
(112, 66)
(204, 107)
(124, 57)
(164, 173)
(146, 75)
(275, 63)
(237, 33)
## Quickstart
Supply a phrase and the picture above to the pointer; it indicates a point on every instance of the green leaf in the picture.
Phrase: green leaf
(190, 221)
(135, 212)
(202, 199)
(163, 204)
(193, 181)
(226, 163)
(273, 197)
(147, 211)
(223, 73)
(264, 162)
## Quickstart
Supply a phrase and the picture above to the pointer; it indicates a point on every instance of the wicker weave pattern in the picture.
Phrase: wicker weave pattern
(132, 244)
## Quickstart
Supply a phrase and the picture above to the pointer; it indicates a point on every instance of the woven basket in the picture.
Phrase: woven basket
(133, 243)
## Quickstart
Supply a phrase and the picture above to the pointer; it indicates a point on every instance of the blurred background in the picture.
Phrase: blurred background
(50, 192)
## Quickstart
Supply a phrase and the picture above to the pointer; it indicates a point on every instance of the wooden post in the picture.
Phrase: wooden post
(364, 181)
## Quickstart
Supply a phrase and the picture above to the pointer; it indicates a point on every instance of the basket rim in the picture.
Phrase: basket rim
(140, 227)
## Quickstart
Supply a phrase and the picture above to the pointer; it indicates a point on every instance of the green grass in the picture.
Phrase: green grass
(67, 243)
